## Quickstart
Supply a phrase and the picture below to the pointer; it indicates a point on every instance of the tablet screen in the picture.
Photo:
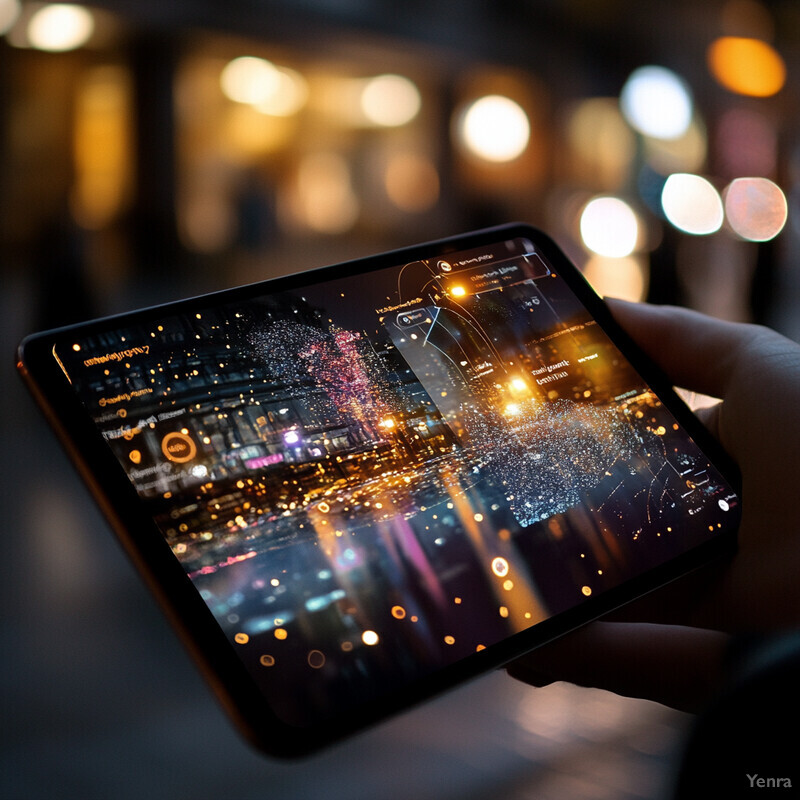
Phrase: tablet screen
(371, 477)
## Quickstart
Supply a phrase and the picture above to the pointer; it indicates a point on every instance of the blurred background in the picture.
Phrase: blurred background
(150, 150)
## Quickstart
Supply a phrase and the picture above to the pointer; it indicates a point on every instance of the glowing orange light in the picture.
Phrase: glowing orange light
(746, 66)
(586, 590)
(398, 612)
(458, 291)
(280, 633)
(500, 567)
(369, 638)
(241, 638)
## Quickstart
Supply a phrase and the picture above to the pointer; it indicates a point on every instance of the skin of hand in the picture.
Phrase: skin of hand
(670, 646)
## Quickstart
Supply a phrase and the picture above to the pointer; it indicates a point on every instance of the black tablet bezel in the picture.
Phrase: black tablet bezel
(154, 559)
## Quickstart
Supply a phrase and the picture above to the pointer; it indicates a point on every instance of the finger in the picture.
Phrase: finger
(696, 352)
(678, 666)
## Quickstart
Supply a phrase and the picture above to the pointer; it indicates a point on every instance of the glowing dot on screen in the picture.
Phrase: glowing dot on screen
(586, 590)
(723, 504)
(657, 102)
(241, 638)
(495, 128)
(398, 612)
(316, 659)
(267, 661)
(457, 601)
(369, 638)
(500, 567)
(503, 611)
(609, 227)
(756, 208)
(458, 291)
(692, 204)
(449, 640)
(280, 633)
(478, 517)
(508, 585)
(347, 647)
(76, 347)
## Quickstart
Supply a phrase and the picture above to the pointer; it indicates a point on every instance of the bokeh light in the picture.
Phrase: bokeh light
(692, 204)
(288, 96)
(686, 153)
(412, 182)
(60, 27)
(625, 278)
(755, 208)
(324, 199)
(601, 140)
(390, 100)
(9, 11)
(657, 102)
(609, 227)
(746, 66)
(250, 80)
(495, 128)
(746, 143)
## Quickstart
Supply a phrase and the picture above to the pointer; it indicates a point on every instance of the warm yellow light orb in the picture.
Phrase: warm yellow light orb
(746, 66)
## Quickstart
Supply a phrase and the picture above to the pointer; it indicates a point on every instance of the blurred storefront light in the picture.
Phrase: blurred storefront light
(412, 182)
(609, 227)
(289, 96)
(494, 128)
(250, 80)
(746, 66)
(657, 102)
(390, 100)
(692, 204)
(324, 199)
(755, 208)
(625, 278)
(686, 153)
(102, 146)
(60, 27)
(9, 11)
(601, 140)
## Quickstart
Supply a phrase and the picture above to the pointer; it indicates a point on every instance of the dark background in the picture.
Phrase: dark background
(127, 178)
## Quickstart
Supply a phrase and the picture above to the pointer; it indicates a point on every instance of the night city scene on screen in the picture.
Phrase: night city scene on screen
(372, 477)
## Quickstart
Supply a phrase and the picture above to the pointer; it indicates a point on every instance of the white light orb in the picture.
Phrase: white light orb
(657, 103)
(692, 204)
(495, 128)
(60, 27)
(609, 227)
(390, 100)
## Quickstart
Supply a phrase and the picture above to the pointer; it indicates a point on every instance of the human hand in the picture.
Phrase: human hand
(756, 373)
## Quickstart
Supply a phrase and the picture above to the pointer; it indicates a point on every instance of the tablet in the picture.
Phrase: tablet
(355, 487)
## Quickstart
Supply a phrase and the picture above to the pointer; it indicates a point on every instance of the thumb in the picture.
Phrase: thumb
(678, 666)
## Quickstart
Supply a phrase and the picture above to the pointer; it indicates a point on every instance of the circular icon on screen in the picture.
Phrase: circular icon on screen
(445, 266)
(178, 447)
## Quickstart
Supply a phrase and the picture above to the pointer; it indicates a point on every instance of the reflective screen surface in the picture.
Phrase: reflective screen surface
(372, 477)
